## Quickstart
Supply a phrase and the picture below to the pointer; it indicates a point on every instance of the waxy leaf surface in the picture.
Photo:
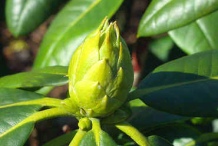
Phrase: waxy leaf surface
(23, 16)
(72, 24)
(101, 138)
(9, 118)
(51, 76)
(200, 35)
(10, 96)
(189, 85)
(162, 16)
(152, 119)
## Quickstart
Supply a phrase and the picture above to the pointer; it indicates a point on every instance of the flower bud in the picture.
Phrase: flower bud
(100, 72)
(85, 124)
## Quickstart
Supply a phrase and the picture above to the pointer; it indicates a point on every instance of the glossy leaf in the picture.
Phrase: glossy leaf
(177, 134)
(198, 36)
(10, 96)
(12, 138)
(77, 19)
(17, 120)
(61, 140)
(23, 16)
(149, 117)
(50, 76)
(184, 83)
(90, 139)
(9, 117)
(94, 137)
(158, 141)
(59, 70)
(162, 16)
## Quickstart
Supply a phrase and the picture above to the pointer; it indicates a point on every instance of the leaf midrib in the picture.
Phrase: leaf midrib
(198, 22)
(70, 26)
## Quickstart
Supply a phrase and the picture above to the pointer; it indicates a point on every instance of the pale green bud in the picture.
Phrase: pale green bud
(85, 124)
(100, 72)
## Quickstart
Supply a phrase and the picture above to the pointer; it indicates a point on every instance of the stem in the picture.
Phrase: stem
(132, 132)
(77, 138)
(96, 128)
(45, 114)
(51, 102)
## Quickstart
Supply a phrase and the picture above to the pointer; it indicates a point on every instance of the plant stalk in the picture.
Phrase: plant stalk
(77, 138)
(50, 102)
(96, 127)
(41, 115)
(132, 132)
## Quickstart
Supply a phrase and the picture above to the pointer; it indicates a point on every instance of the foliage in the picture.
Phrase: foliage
(168, 107)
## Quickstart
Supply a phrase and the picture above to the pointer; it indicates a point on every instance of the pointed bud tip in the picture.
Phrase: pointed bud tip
(102, 67)
(104, 24)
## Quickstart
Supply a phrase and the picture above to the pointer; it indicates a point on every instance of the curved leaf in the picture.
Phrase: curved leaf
(61, 140)
(161, 47)
(198, 36)
(77, 19)
(19, 120)
(12, 138)
(158, 141)
(149, 117)
(9, 117)
(50, 76)
(23, 16)
(44, 102)
(204, 138)
(59, 70)
(178, 86)
(90, 139)
(162, 16)
(10, 96)
(177, 134)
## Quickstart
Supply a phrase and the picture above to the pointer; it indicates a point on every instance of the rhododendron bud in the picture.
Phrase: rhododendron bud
(100, 72)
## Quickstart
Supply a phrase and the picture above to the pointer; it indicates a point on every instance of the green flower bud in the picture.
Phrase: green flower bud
(100, 72)
(85, 124)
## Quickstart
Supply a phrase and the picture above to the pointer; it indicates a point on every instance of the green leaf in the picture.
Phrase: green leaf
(94, 137)
(158, 141)
(61, 140)
(165, 15)
(51, 76)
(203, 139)
(59, 70)
(90, 139)
(77, 19)
(10, 117)
(178, 86)
(177, 134)
(198, 36)
(149, 117)
(161, 47)
(12, 138)
(10, 96)
(23, 16)
(19, 120)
